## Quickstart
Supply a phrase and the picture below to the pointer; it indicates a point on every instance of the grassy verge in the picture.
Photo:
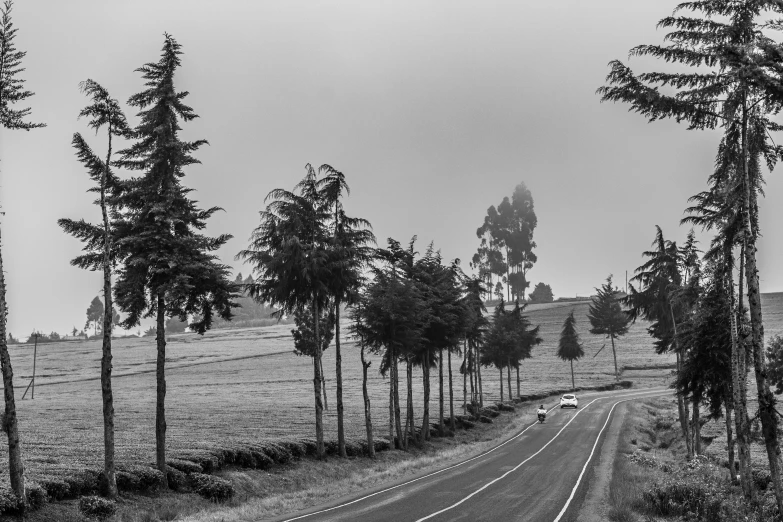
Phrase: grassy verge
(652, 481)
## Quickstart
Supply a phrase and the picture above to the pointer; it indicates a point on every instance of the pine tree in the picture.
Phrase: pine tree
(569, 349)
(164, 256)
(11, 92)
(607, 317)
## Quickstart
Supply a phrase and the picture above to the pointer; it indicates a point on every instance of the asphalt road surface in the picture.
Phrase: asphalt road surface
(540, 474)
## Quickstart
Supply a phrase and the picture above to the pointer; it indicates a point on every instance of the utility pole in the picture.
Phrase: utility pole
(35, 356)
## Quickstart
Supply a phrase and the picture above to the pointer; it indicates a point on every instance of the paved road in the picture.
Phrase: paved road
(538, 475)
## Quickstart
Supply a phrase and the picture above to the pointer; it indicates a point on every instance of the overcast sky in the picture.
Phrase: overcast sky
(433, 110)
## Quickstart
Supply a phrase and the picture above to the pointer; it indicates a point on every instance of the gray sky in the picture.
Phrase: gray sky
(433, 110)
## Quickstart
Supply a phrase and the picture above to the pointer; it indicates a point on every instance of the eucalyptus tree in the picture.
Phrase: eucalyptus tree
(733, 82)
(292, 264)
(352, 252)
(475, 329)
(607, 317)
(102, 111)
(168, 266)
(11, 92)
(569, 348)
(499, 343)
(357, 331)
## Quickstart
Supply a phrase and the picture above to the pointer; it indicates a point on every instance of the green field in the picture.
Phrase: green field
(246, 385)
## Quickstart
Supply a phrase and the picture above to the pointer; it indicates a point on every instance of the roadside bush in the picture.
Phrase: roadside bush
(177, 480)
(277, 452)
(185, 466)
(94, 506)
(262, 460)
(506, 407)
(10, 504)
(127, 481)
(310, 446)
(485, 420)
(143, 478)
(678, 497)
(297, 448)
(353, 448)
(212, 488)
(206, 461)
(83, 483)
(56, 489)
(761, 479)
(381, 444)
(36, 495)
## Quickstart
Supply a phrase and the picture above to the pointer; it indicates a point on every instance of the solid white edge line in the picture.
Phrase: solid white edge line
(419, 478)
(584, 468)
(485, 486)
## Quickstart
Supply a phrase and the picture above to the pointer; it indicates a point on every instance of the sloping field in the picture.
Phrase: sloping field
(246, 385)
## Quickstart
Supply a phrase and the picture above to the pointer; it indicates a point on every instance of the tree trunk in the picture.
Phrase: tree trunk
(317, 383)
(682, 403)
(614, 354)
(683, 414)
(160, 411)
(425, 423)
(730, 441)
(339, 377)
(440, 398)
(367, 409)
(409, 423)
(519, 386)
(478, 374)
(573, 386)
(10, 425)
(739, 388)
(696, 428)
(323, 383)
(453, 421)
(508, 375)
(501, 384)
(391, 408)
(767, 413)
(108, 317)
(397, 419)
(465, 373)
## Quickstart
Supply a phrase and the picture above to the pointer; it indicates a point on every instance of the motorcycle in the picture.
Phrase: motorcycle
(541, 417)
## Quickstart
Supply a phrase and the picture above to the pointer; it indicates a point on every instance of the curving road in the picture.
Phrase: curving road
(540, 474)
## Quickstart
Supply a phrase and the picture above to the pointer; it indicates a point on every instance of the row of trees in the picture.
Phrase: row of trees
(729, 79)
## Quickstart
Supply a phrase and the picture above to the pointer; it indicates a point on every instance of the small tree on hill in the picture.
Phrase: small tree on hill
(608, 318)
(569, 348)
(542, 294)
(94, 314)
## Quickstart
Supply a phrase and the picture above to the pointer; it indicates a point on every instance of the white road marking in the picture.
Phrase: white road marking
(584, 468)
(504, 475)
(419, 478)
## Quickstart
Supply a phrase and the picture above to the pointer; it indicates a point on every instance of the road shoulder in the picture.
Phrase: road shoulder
(595, 505)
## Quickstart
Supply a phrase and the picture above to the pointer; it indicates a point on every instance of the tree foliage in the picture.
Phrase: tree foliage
(542, 293)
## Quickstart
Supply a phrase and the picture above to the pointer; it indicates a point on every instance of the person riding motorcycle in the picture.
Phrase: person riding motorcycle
(541, 412)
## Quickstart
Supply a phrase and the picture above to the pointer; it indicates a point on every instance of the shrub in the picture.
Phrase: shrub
(679, 497)
(381, 444)
(94, 506)
(310, 446)
(243, 457)
(146, 478)
(10, 504)
(485, 420)
(185, 466)
(276, 452)
(83, 483)
(761, 479)
(56, 489)
(353, 448)
(127, 481)
(297, 449)
(36, 495)
(262, 460)
(505, 407)
(212, 488)
(177, 479)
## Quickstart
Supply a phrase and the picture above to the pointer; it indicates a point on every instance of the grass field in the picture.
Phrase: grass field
(246, 385)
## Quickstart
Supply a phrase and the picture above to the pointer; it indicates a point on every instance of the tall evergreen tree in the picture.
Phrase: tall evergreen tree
(607, 317)
(291, 259)
(733, 82)
(351, 253)
(94, 314)
(104, 110)
(169, 269)
(570, 349)
(11, 92)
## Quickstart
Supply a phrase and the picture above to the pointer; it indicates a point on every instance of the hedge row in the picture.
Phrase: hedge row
(180, 473)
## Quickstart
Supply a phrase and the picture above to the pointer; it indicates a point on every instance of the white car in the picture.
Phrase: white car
(569, 400)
